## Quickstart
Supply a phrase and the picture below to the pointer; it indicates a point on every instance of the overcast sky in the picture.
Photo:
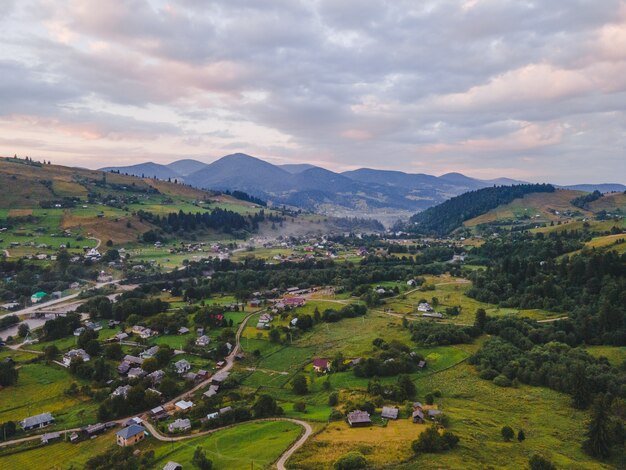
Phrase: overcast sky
(525, 89)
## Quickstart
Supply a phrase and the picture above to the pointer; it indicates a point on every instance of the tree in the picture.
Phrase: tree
(200, 460)
(114, 351)
(333, 399)
(521, 436)
(7, 430)
(23, 330)
(51, 352)
(274, 335)
(299, 406)
(480, 319)
(350, 461)
(431, 441)
(150, 364)
(168, 387)
(598, 442)
(537, 462)
(265, 406)
(407, 386)
(507, 433)
(299, 385)
(8, 373)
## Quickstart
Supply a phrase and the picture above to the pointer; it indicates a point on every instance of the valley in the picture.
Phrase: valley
(254, 336)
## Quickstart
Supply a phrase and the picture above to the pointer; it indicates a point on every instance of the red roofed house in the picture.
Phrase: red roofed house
(321, 365)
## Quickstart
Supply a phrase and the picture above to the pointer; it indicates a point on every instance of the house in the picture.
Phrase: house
(203, 341)
(358, 418)
(390, 412)
(38, 421)
(134, 360)
(212, 391)
(255, 303)
(124, 367)
(93, 326)
(121, 336)
(418, 416)
(121, 391)
(294, 301)
(158, 413)
(69, 356)
(321, 365)
(182, 366)
(38, 297)
(421, 364)
(219, 378)
(432, 414)
(411, 283)
(156, 376)
(172, 466)
(424, 307)
(79, 331)
(265, 318)
(50, 436)
(94, 429)
(183, 405)
(136, 373)
(433, 315)
(183, 330)
(212, 415)
(262, 326)
(190, 376)
(133, 420)
(202, 374)
(148, 353)
(131, 435)
(179, 425)
(458, 258)
(226, 409)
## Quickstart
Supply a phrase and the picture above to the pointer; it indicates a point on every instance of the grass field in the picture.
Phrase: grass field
(450, 292)
(59, 455)
(537, 207)
(40, 389)
(245, 446)
(477, 410)
(615, 354)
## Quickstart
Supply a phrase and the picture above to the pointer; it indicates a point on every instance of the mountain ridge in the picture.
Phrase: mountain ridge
(361, 192)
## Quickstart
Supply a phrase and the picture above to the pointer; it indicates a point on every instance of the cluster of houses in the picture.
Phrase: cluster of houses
(420, 415)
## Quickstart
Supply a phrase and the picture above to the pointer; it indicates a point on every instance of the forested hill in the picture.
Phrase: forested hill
(451, 214)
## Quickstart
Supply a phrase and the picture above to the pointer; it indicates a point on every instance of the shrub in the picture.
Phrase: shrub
(537, 462)
(502, 381)
(350, 461)
(299, 406)
(507, 433)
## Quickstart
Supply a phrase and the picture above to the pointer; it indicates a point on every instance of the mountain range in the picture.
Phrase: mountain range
(362, 192)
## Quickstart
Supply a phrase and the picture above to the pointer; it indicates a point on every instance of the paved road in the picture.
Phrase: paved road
(44, 305)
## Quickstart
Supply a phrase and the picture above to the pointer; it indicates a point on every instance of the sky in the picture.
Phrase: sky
(534, 90)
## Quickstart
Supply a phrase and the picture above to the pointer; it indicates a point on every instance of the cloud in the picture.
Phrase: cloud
(526, 88)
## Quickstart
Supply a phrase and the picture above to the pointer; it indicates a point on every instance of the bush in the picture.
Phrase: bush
(350, 461)
(299, 406)
(430, 441)
(299, 385)
(335, 415)
(502, 381)
(507, 433)
(429, 399)
(537, 462)
(333, 399)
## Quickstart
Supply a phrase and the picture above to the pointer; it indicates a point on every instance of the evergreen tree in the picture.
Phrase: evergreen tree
(598, 442)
